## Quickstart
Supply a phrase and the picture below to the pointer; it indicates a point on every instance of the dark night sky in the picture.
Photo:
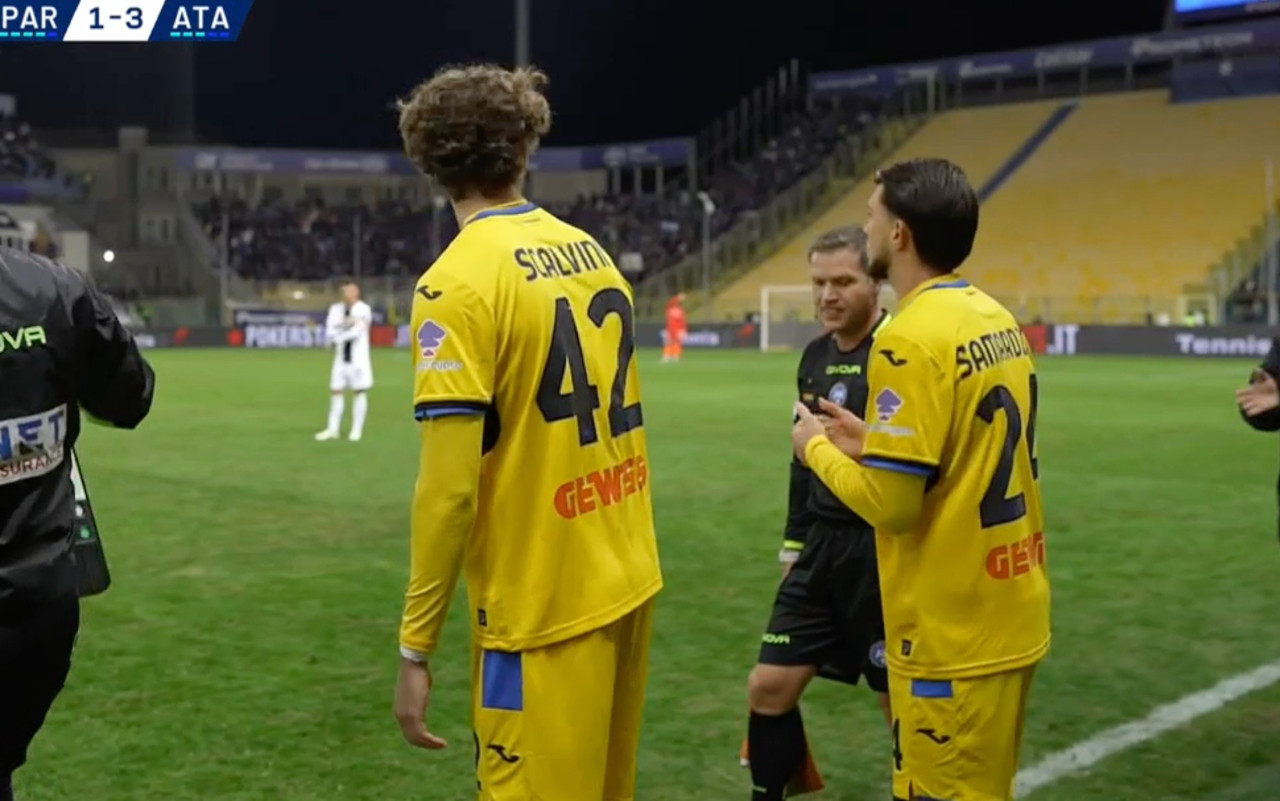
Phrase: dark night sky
(320, 73)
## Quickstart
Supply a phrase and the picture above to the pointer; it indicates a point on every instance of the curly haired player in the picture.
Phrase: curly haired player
(534, 472)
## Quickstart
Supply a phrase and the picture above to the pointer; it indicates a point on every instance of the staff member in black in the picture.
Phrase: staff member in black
(1260, 401)
(826, 618)
(61, 349)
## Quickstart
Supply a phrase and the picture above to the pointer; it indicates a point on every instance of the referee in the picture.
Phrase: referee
(61, 349)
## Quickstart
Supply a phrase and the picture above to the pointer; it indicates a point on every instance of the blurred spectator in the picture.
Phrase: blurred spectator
(20, 154)
(309, 240)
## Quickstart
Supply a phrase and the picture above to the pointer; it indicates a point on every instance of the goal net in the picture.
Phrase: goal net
(787, 319)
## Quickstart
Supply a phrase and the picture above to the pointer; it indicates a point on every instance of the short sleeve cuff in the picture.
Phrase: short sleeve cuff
(431, 410)
(898, 464)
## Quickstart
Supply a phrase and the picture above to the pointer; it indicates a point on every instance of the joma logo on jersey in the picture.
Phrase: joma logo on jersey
(586, 494)
(22, 338)
(1017, 558)
(844, 369)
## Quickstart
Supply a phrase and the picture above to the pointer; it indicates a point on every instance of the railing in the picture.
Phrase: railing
(1099, 310)
(760, 233)
(1238, 264)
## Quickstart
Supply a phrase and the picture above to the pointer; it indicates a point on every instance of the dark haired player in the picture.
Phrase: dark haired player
(534, 471)
(947, 474)
(826, 618)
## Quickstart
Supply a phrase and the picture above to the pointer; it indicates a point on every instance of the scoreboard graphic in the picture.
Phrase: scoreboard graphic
(123, 21)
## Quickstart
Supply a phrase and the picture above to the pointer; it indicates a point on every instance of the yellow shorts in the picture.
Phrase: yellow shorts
(958, 740)
(562, 723)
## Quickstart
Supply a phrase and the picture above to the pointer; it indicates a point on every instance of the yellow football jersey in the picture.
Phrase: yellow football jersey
(527, 320)
(952, 396)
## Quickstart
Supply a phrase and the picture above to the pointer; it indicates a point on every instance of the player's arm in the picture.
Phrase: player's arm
(1270, 419)
(114, 383)
(887, 499)
(454, 362)
(336, 332)
(364, 319)
(443, 511)
(799, 517)
(909, 411)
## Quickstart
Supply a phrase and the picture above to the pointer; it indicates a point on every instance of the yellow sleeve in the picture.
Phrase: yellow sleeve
(890, 500)
(444, 509)
(909, 401)
(455, 347)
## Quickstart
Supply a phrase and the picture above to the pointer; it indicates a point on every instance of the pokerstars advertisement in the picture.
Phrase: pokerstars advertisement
(1193, 342)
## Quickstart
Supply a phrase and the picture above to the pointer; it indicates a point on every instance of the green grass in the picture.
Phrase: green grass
(247, 648)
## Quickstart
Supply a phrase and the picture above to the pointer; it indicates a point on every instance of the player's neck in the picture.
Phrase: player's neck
(852, 338)
(471, 205)
(907, 274)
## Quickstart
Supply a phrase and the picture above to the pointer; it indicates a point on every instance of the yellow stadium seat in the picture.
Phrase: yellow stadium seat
(1125, 204)
(980, 140)
(1131, 199)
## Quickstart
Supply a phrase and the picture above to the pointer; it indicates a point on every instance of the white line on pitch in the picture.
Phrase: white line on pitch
(1087, 753)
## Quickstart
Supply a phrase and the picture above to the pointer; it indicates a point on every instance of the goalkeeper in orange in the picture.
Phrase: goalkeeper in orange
(676, 329)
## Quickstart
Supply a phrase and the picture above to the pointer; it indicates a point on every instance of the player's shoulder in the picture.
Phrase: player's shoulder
(941, 313)
(470, 263)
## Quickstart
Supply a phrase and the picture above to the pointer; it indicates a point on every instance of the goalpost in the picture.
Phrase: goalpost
(786, 315)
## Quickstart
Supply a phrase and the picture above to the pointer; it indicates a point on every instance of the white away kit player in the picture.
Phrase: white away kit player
(348, 331)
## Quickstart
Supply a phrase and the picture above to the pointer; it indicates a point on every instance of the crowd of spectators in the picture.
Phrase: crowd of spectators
(311, 240)
(20, 154)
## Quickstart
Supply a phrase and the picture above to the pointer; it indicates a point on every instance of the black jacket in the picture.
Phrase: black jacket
(1269, 421)
(61, 349)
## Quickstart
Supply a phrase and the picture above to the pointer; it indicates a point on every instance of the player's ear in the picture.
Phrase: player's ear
(899, 235)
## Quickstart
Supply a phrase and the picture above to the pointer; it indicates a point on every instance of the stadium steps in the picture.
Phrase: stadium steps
(1127, 207)
(1244, 261)
(986, 142)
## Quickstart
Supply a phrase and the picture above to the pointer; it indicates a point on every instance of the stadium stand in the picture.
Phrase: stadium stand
(1096, 207)
(306, 240)
(21, 156)
(1128, 203)
(980, 140)
(1105, 209)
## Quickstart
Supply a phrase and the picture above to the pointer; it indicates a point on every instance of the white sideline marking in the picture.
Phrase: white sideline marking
(1087, 753)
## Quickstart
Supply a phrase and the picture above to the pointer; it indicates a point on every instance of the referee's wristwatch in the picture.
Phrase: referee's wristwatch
(413, 656)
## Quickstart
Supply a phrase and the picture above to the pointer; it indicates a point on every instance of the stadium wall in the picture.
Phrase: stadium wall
(1233, 341)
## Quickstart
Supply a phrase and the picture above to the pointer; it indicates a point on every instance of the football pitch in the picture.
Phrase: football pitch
(248, 646)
